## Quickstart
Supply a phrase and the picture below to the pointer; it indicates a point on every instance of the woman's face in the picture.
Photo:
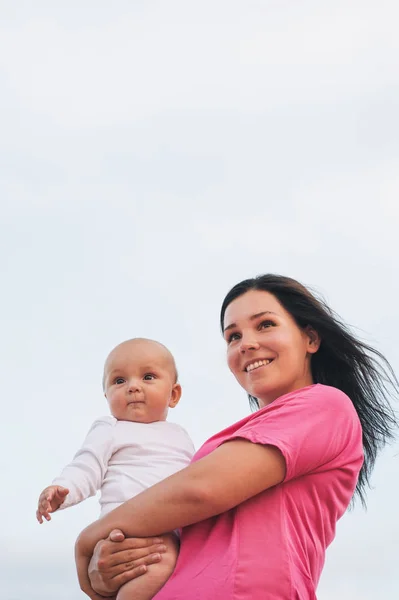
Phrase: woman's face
(266, 350)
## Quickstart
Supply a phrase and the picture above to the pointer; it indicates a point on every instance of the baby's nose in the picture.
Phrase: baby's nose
(134, 385)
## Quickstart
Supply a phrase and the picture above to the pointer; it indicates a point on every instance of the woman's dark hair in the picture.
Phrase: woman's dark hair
(342, 361)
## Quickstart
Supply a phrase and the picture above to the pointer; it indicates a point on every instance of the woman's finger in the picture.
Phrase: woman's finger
(130, 544)
(130, 566)
(94, 596)
(129, 575)
(135, 556)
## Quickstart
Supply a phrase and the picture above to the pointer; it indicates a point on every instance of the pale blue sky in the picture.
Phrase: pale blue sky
(152, 155)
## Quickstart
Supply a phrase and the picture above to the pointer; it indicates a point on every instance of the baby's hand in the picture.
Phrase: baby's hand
(50, 500)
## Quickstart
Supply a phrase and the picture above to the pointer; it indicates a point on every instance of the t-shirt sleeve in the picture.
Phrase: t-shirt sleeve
(84, 475)
(312, 429)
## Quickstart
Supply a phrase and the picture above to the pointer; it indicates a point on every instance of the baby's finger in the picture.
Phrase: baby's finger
(43, 500)
(44, 510)
(46, 505)
(42, 497)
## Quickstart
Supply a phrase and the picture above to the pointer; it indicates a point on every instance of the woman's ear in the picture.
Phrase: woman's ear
(314, 339)
(175, 395)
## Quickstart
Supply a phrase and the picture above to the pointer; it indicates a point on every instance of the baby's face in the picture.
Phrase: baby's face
(139, 382)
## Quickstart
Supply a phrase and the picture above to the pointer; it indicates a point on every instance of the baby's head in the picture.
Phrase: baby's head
(140, 381)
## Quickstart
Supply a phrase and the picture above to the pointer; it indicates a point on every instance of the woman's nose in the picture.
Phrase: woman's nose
(248, 344)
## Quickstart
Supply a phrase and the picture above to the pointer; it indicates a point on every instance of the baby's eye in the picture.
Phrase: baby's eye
(232, 337)
(149, 376)
(119, 380)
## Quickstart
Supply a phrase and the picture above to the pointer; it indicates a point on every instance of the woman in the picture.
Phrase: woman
(259, 504)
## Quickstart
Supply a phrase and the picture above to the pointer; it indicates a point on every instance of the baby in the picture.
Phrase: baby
(127, 452)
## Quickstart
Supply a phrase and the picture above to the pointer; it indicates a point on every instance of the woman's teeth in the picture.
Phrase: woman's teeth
(257, 364)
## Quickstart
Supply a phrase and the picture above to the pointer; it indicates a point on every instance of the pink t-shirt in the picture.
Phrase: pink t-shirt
(272, 546)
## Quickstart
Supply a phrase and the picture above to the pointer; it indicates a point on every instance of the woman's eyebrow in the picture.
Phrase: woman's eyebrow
(251, 318)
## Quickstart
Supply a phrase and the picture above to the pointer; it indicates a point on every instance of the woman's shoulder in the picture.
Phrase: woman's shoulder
(317, 395)
(332, 398)
(318, 404)
(317, 390)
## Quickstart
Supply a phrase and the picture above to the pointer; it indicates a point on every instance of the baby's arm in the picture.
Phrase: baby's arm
(149, 584)
(83, 477)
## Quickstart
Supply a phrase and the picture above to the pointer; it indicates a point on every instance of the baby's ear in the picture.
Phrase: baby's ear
(175, 395)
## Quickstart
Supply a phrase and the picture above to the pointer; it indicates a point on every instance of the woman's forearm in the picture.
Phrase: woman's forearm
(228, 476)
(175, 502)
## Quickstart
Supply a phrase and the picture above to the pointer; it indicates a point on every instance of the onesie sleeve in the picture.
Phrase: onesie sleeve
(84, 475)
(185, 443)
(315, 429)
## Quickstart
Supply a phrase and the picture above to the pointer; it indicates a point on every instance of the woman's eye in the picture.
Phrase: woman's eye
(119, 380)
(266, 324)
(232, 337)
(149, 376)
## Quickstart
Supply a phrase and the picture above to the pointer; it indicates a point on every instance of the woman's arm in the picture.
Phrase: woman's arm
(228, 476)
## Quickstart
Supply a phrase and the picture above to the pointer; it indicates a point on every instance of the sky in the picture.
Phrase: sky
(152, 155)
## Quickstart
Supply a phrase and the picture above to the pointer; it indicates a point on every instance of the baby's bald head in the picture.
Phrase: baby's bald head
(142, 349)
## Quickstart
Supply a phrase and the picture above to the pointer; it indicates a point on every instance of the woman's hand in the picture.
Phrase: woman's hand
(82, 566)
(117, 560)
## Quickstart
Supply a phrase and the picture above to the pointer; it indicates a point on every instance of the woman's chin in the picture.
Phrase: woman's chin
(261, 384)
(265, 394)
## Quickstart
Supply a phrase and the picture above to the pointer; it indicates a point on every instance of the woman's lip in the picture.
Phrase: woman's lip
(255, 361)
(254, 371)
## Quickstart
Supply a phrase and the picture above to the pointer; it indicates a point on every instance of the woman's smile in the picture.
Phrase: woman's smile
(257, 364)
